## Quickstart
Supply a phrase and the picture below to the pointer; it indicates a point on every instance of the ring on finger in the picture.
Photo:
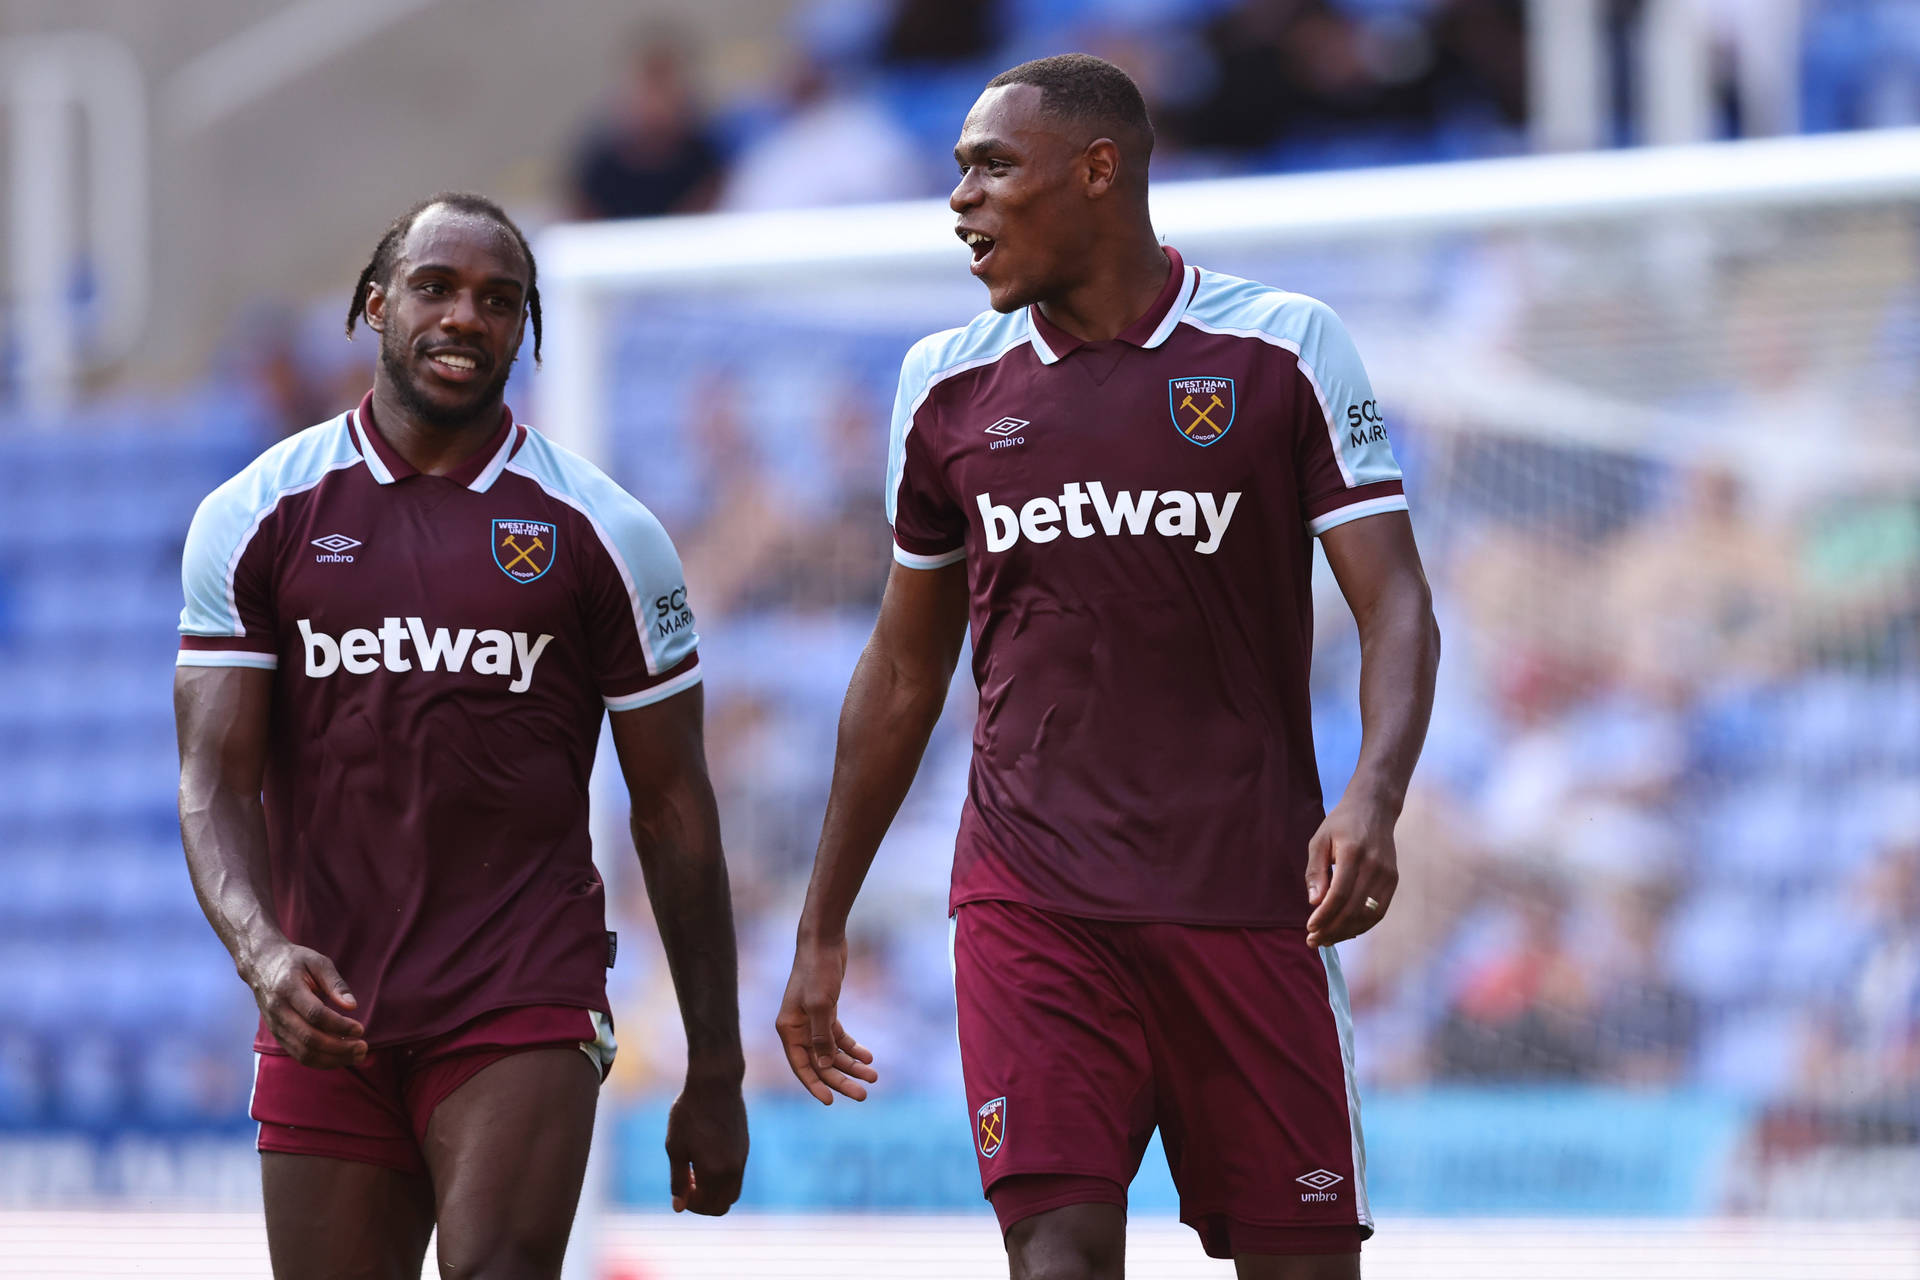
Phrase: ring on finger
(1372, 905)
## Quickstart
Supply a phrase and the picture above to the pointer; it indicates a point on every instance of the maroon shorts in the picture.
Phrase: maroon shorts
(1079, 1037)
(377, 1112)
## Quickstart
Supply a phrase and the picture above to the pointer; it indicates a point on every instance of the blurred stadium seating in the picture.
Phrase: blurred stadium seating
(1658, 947)
(92, 906)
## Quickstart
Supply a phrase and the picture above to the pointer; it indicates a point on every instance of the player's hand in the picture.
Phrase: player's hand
(297, 990)
(707, 1146)
(824, 1058)
(1350, 863)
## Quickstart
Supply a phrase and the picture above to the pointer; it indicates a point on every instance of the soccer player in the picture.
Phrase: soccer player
(1114, 477)
(403, 625)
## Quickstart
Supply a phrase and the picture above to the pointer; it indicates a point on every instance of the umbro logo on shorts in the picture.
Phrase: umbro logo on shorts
(336, 546)
(1320, 1180)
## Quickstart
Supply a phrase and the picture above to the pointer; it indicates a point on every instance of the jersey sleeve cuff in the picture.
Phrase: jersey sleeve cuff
(1354, 511)
(1338, 506)
(226, 651)
(938, 560)
(654, 692)
(226, 658)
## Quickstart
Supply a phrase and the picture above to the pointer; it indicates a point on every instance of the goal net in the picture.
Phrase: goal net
(1657, 945)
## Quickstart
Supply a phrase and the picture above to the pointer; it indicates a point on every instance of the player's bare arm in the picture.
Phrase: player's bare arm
(892, 704)
(221, 715)
(676, 832)
(1351, 862)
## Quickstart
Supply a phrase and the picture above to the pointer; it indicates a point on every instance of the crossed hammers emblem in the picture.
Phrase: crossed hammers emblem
(522, 553)
(1201, 415)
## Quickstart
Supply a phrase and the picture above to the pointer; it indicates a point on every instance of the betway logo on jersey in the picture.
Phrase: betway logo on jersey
(362, 652)
(1086, 509)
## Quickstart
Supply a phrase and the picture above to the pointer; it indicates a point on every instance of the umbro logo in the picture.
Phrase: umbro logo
(1008, 430)
(1320, 1180)
(336, 545)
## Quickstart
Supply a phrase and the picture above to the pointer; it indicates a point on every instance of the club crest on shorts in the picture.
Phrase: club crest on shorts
(524, 548)
(1202, 408)
(990, 1126)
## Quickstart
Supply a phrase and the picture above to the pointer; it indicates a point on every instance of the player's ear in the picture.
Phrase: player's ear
(376, 308)
(1101, 164)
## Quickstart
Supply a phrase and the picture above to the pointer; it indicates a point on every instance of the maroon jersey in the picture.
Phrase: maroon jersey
(444, 648)
(1137, 517)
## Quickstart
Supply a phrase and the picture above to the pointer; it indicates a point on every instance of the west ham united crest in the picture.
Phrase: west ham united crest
(990, 1126)
(1202, 408)
(524, 548)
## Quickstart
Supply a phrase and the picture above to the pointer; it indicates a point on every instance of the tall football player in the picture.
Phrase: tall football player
(403, 626)
(1114, 477)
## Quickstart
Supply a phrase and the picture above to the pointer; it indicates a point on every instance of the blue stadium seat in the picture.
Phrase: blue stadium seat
(1717, 949)
(24, 1096)
(1815, 948)
(91, 1085)
(1766, 833)
(1752, 1055)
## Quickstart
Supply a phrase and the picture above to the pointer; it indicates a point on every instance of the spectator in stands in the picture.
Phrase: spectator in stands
(775, 756)
(742, 519)
(1645, 1024)
(825, 556)
(833, 146)
(1525, 1011)
(301, 378)
(1872, 1054)
(1313, 71)
(921, 31)
(654, 151)
(1701, 592)
(1860, 556)
(1393, 981)
(1480, 57)
(1254, 95)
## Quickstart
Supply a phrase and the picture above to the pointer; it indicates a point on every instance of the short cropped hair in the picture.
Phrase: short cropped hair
(1086, 90)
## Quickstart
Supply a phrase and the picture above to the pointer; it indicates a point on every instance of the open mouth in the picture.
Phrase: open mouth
(979, 244)
(455, 366)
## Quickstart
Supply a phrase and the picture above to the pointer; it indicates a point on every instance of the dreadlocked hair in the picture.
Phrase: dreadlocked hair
(380, 266)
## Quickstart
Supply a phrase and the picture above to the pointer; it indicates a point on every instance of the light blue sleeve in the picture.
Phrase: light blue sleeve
(642, 621)
(1356, 429)
(650, 563)
(906, 398)
(215, 540)
(929, 530)
(228, 618)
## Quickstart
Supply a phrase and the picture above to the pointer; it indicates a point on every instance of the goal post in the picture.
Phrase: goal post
(584, 265)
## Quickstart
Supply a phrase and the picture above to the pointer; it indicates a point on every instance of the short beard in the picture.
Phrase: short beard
(393, 359)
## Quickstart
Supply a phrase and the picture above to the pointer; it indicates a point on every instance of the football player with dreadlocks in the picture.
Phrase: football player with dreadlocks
(402, 629)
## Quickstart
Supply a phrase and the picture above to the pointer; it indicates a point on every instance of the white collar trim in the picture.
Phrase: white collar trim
(375, 463)
(1174, 312)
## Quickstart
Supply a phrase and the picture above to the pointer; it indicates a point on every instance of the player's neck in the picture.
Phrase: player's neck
(1116, 292)
(431, 448)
